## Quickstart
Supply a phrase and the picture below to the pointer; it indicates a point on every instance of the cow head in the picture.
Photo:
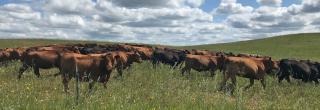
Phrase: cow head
(4, 56)
(221, 62)
(270, 65)
(136, 57)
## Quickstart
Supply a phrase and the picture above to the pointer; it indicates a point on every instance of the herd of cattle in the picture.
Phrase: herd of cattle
(94, 62)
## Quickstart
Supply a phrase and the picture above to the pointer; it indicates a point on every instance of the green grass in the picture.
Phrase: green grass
(143, 87)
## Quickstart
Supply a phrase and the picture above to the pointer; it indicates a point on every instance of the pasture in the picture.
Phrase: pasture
(143, 87)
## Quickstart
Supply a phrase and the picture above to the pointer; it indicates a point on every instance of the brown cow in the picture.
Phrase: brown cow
(248, 68)
(37, 60)
(16, 54)
(202, 52)
(202, 63)
(5, 55)
(145, 52)
(125, 60)
(10, 54)
(94, 66)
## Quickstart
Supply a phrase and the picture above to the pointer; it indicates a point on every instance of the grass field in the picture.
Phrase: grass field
(143, 87)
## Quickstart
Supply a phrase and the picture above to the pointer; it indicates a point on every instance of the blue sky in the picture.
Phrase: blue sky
(170, 22)
(209, 5)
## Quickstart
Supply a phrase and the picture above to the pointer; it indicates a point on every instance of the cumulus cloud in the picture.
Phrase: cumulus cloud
(270, 2)
(231, 7)
(175, 22)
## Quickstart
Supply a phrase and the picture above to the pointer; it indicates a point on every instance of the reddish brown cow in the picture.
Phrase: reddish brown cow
(94, 66)
(5, 55)
(248, 68)
(37, 60)
(202, 52)
(125, 60)
(146, 53)
(10, 54)
(202, 63)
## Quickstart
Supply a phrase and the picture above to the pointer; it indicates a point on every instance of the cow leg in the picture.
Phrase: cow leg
(234, 83)
(183, 70)
(316, 81)
(65, 81)
(263, 82)
(120, 71)
(154, 64)
(212, 72)
(251, 84)
(36, 71)
(22, 69)
(107, 79)
(91, 84)
(288, 79)
(92, 81)
(282, 76)
(224, 81)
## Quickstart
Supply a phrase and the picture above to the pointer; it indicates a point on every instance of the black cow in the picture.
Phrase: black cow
(172, 57)
(313, 67)
(298, 70)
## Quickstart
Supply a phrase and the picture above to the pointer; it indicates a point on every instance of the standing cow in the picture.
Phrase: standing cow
(97, 68)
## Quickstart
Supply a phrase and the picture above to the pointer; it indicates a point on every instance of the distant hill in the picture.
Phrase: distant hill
(303, 46)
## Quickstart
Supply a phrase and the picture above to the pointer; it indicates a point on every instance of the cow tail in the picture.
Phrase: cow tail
(117, 60)
(58, 63)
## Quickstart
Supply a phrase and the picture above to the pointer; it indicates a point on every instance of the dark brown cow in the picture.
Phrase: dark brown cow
(94, 66)
(16, 54)
(202, 52)
(254, 69)
(202, 63)
(37, 60)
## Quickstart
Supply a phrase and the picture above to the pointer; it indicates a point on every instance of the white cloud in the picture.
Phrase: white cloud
(270, 2)
(175, 22)
(231, 7)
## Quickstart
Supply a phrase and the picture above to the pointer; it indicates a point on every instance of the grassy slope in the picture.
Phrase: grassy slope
(147, 88)
(289, 46)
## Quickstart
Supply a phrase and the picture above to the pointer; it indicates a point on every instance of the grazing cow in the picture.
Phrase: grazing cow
(37, 60)
(96, 67)
(248, 68)
(202, 63)
(298, 70)
(125, 60)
